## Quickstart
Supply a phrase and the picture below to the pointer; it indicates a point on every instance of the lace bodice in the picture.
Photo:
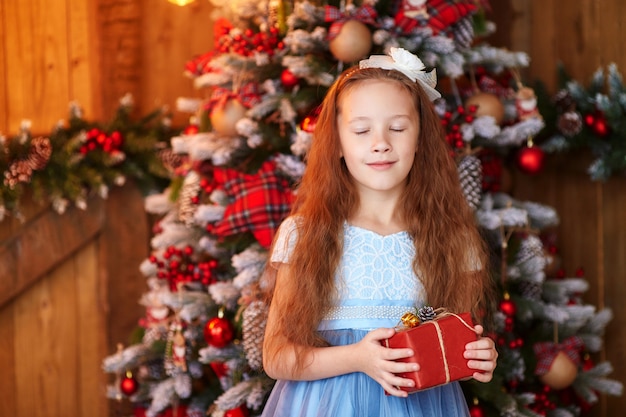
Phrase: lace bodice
(375, 279)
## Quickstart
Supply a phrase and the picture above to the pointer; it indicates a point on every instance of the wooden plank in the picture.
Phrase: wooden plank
(614, 292)
(84, 58)
(542, 43)
(173, 35)
(124, 244)
(91, 338)
(45, 346)
(48, 239)
(119, 23)
(37, 70)
(4, 96)
(8, 364)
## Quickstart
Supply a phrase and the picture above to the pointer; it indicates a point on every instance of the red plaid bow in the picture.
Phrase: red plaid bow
(366, 14)
(547, 351)
(260, 202)
(441, 15)
(248, 95)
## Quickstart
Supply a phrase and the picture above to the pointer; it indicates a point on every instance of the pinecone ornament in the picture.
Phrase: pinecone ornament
(426, 313)
(530, 248)
(40, 151)
(470, 175)
(19, 171)
(564, 101)
(570, 123)
(187, 203)
(463, 32)
(254, 321)
(171, 160)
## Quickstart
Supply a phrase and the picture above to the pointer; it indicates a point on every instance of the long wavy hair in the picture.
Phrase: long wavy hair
(450, 255)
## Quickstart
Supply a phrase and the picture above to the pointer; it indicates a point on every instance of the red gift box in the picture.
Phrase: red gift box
(438, 347)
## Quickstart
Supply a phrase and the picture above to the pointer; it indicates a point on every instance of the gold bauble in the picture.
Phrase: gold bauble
(224, 117)
(353, 42)
(487, 104)
(562, 372)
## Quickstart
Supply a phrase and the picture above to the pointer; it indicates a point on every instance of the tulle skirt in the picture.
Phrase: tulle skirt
(357, 395)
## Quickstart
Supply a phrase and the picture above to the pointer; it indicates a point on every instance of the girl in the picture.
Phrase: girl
(380, 225)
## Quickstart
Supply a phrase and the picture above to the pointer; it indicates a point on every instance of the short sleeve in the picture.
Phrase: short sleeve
(285, 242)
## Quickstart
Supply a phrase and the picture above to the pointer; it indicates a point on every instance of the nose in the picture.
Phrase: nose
(381, 144)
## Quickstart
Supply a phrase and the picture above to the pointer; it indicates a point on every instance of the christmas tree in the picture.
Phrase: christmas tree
(198, 351)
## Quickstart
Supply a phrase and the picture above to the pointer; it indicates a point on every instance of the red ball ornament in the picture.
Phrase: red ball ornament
(507, 307)
(476, 410)
(128, 384)
(218, 332)
(288, 79)
(600, 127)
(241, 411)
(590, 120)
(530, 160)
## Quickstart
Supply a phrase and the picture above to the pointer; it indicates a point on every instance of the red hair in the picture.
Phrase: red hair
(450, 256)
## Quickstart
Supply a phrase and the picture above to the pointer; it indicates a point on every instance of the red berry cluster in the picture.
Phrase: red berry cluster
(452, 121)
(178, 267)
(543, 404)
(597, 123)
(249, 42)
(97, 139)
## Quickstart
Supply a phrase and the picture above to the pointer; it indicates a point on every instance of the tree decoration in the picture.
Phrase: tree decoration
(349, 38)
(507, 306)
(530, 159)
(288, 79)
(128, 384)
(470, 175)
(486, 104)
(219, 331)
(241, 411)
(79, 159)
(602, 132)
(557, 363)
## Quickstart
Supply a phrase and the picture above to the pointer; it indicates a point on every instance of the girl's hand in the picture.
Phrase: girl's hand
(379, 362)
(483, 356)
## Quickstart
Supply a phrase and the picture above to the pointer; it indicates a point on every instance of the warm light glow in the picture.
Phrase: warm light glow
(181, 2)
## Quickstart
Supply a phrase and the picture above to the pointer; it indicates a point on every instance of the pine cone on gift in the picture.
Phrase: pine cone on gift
(426, 313)
(254, 321)
(470, 175)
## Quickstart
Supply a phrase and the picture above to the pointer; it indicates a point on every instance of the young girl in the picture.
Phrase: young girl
(380, 226)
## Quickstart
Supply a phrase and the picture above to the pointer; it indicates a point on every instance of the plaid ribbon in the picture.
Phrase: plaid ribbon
(547, 351)
(366, 14)
(442, 14)
(259, 204)
(248, 95)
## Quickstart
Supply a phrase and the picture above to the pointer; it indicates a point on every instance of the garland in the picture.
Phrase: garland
(592, 118)
(80, 158)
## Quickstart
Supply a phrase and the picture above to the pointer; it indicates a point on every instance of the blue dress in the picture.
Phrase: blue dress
(376, 285)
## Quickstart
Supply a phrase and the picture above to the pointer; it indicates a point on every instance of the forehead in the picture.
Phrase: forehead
(375, 97)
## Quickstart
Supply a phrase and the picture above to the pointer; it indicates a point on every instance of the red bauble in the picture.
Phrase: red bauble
(288, 79)
(129, 384)
(530, 160)
(507, 307)
(240, 411)
(600, 127)
(191, 130)
(219, 332)
(477, 411)
(308, 123)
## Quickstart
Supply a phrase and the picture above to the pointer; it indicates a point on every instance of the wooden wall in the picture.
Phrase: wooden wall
(583, 35)
(69, 291)
(59, 317)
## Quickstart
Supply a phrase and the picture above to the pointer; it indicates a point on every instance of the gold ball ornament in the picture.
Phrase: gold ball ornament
(353, 42)
(487, 104)
(225, 117)
(562, 372)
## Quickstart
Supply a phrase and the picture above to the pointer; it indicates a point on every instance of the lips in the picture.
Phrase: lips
(381, 164)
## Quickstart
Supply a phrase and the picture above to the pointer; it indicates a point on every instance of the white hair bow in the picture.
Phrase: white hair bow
(400, 59)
